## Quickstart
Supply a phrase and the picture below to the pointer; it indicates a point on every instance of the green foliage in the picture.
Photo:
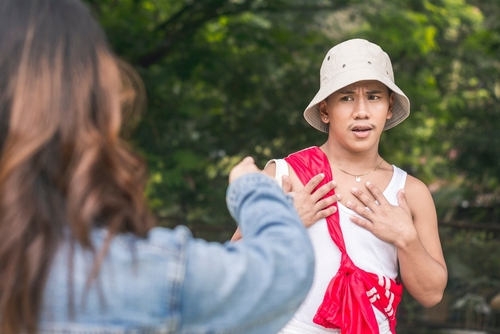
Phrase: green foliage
(230, 78)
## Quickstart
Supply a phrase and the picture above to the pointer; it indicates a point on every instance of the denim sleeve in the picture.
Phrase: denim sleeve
(256, 284)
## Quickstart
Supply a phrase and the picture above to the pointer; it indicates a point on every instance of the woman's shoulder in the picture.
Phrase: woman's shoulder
(159, 239)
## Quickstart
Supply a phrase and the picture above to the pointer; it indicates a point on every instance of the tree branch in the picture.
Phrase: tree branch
(471, 225)
(186, 22)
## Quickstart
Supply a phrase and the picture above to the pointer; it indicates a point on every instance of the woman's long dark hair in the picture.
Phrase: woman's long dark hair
(63, 165)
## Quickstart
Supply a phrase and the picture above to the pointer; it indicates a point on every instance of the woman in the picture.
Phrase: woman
(78, 247)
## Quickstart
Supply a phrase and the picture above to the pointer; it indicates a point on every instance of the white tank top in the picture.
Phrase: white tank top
(366, 251)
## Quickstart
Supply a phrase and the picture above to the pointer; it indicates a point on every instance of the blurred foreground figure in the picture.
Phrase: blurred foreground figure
(79, 252)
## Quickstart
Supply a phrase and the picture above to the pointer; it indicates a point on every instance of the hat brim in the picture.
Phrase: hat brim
(400, 109)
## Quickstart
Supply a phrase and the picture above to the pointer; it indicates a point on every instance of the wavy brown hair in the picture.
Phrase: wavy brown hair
(63, 166)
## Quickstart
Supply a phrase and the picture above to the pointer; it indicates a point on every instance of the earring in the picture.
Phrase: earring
(326, 118)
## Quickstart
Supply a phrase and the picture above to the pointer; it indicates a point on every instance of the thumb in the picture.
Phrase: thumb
(286, 184)
(402, 200)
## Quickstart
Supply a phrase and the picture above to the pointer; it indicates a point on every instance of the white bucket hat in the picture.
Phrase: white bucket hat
(349, 62)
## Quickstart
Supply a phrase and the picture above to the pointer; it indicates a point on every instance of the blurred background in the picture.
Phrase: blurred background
(231, 78)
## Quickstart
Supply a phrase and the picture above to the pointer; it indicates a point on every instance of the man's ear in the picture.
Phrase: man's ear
(391, 104)
(323, 111)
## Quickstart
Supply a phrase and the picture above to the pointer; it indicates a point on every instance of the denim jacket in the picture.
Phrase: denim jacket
(171, 282)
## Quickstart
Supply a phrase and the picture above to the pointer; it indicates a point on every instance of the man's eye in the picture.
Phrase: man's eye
(373, 97)
(347, 98)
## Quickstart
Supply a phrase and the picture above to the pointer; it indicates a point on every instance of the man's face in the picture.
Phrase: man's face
(359, 111)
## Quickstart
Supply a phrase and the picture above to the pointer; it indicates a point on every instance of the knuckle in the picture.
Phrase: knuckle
(322, 191)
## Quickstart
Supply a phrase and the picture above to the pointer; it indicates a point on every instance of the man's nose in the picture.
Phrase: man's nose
(361, 109)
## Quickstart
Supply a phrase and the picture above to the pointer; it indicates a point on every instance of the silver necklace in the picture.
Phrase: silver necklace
(358, 176)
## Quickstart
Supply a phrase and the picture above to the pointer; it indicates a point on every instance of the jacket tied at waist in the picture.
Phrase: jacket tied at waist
(349, 297)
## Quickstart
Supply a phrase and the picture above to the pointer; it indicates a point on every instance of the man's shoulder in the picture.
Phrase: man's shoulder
(417, 193)
(305, 151)
(412, 183)
(415, 184)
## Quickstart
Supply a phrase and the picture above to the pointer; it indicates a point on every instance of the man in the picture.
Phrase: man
(356, 288)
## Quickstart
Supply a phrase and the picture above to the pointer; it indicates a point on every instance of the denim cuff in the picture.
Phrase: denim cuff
(244, 185)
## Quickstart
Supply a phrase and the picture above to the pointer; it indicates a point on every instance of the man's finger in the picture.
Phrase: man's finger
(402, 200)
(363, 198)
(377, 193)
(326, 212)
(323, 190)
(364, 212)
(313, 183)
(364, 223)
(326, 202)
(286, 184)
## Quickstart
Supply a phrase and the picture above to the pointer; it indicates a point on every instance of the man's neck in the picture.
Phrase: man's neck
(351, 160)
